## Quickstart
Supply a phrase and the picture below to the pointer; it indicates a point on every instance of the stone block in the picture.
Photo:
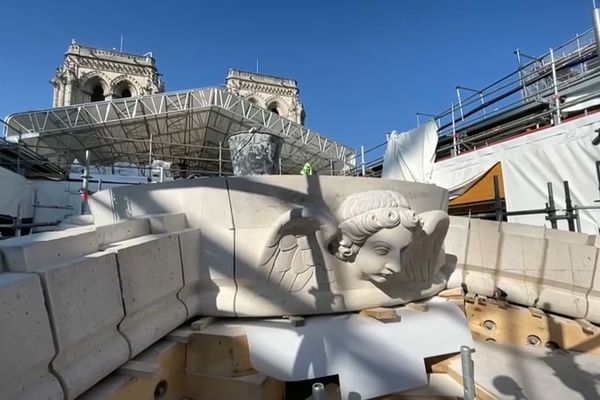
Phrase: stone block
(520, 253)
(165, 223)
(26, 344)
(483, 244)
(151, 276)
(461, 222)
(84, 302)
(122, 230)
(568, 237)
(522, 229)
(197, 285)
(33, 252)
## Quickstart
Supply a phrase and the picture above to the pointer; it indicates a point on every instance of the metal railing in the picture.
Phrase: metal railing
(481, 115)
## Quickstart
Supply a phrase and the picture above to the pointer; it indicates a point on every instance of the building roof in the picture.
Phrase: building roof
(188, 127)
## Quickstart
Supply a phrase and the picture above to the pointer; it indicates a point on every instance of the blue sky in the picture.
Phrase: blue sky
(363, 67)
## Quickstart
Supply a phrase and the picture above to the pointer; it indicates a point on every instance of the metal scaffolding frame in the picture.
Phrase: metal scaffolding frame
(188, 128)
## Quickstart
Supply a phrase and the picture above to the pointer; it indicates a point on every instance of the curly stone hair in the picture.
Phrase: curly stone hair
(364, 214)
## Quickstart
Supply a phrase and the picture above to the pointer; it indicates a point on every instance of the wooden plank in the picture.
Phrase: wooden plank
(202, 323)
(139, 369)
(251, 387)
(380, 313)
(511, 324)
(220, 352)
(181, 335)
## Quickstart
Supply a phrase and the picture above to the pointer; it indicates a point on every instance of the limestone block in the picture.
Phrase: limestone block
(568, 237)
(206, 205)
(32, 252)
(122, 230)
(200, 285)
(165, 223)
(26, 345)
(522, 229)
(84, 302)
(151, 276)
(455, 246)
(251, 387)
(483, 244)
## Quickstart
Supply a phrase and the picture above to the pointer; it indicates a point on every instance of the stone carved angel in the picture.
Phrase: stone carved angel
(375, 234)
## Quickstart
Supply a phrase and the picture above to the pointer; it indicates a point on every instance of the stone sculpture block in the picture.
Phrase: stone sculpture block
(26, 340)
(28, 253)
(122, 230)
(535, 266)
(302, 245)
(151, 276)
(165, 223)
(84, 302)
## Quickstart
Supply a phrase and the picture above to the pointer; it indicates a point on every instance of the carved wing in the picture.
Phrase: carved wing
(288, 263)
(424, 256)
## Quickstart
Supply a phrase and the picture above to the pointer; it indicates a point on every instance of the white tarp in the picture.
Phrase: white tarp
(371, 358)
(409, 156)
(555, 154)
(16, 196)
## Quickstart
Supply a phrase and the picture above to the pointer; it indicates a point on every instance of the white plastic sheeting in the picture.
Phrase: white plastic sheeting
(555, 154)
(371, 358)
(409, 156)
(16, 196)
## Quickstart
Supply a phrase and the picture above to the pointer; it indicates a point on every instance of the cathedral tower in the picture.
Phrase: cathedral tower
(90, 74)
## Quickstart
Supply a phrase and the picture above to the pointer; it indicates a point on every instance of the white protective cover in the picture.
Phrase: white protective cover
(555, 154)
(371, 357)
(409, 156)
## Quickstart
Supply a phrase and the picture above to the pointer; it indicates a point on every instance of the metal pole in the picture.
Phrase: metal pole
(161, 176)
(468, 372)
(596, 18)
(220, 158)
(18, 222)
(462, 116)
(331, 167)
(86, 182)
(523, 93)
(556, 98)
(570, 216)
(454, 141)
(19, 154)
(482, 103)
(497, 199)
(551, 207)
(418, 120)
(150, 150)
(318, 391)
(362, 158)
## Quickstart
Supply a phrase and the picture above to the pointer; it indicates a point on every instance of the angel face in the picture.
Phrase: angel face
(379, 256)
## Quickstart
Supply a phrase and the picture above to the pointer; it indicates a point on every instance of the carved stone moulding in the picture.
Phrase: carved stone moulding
(300, 245)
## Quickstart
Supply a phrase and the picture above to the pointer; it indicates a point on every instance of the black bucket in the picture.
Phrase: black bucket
(255, 153)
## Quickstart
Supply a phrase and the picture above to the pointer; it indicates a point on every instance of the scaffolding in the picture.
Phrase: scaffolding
(543, 91)
(188, 129)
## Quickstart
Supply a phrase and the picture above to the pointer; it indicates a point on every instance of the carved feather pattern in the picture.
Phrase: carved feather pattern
(422, 258)
(288, 264)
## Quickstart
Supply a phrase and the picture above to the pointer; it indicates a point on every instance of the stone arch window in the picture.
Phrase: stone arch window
(123, 89)
(273, 107)
(94, 89)
(97, 93)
